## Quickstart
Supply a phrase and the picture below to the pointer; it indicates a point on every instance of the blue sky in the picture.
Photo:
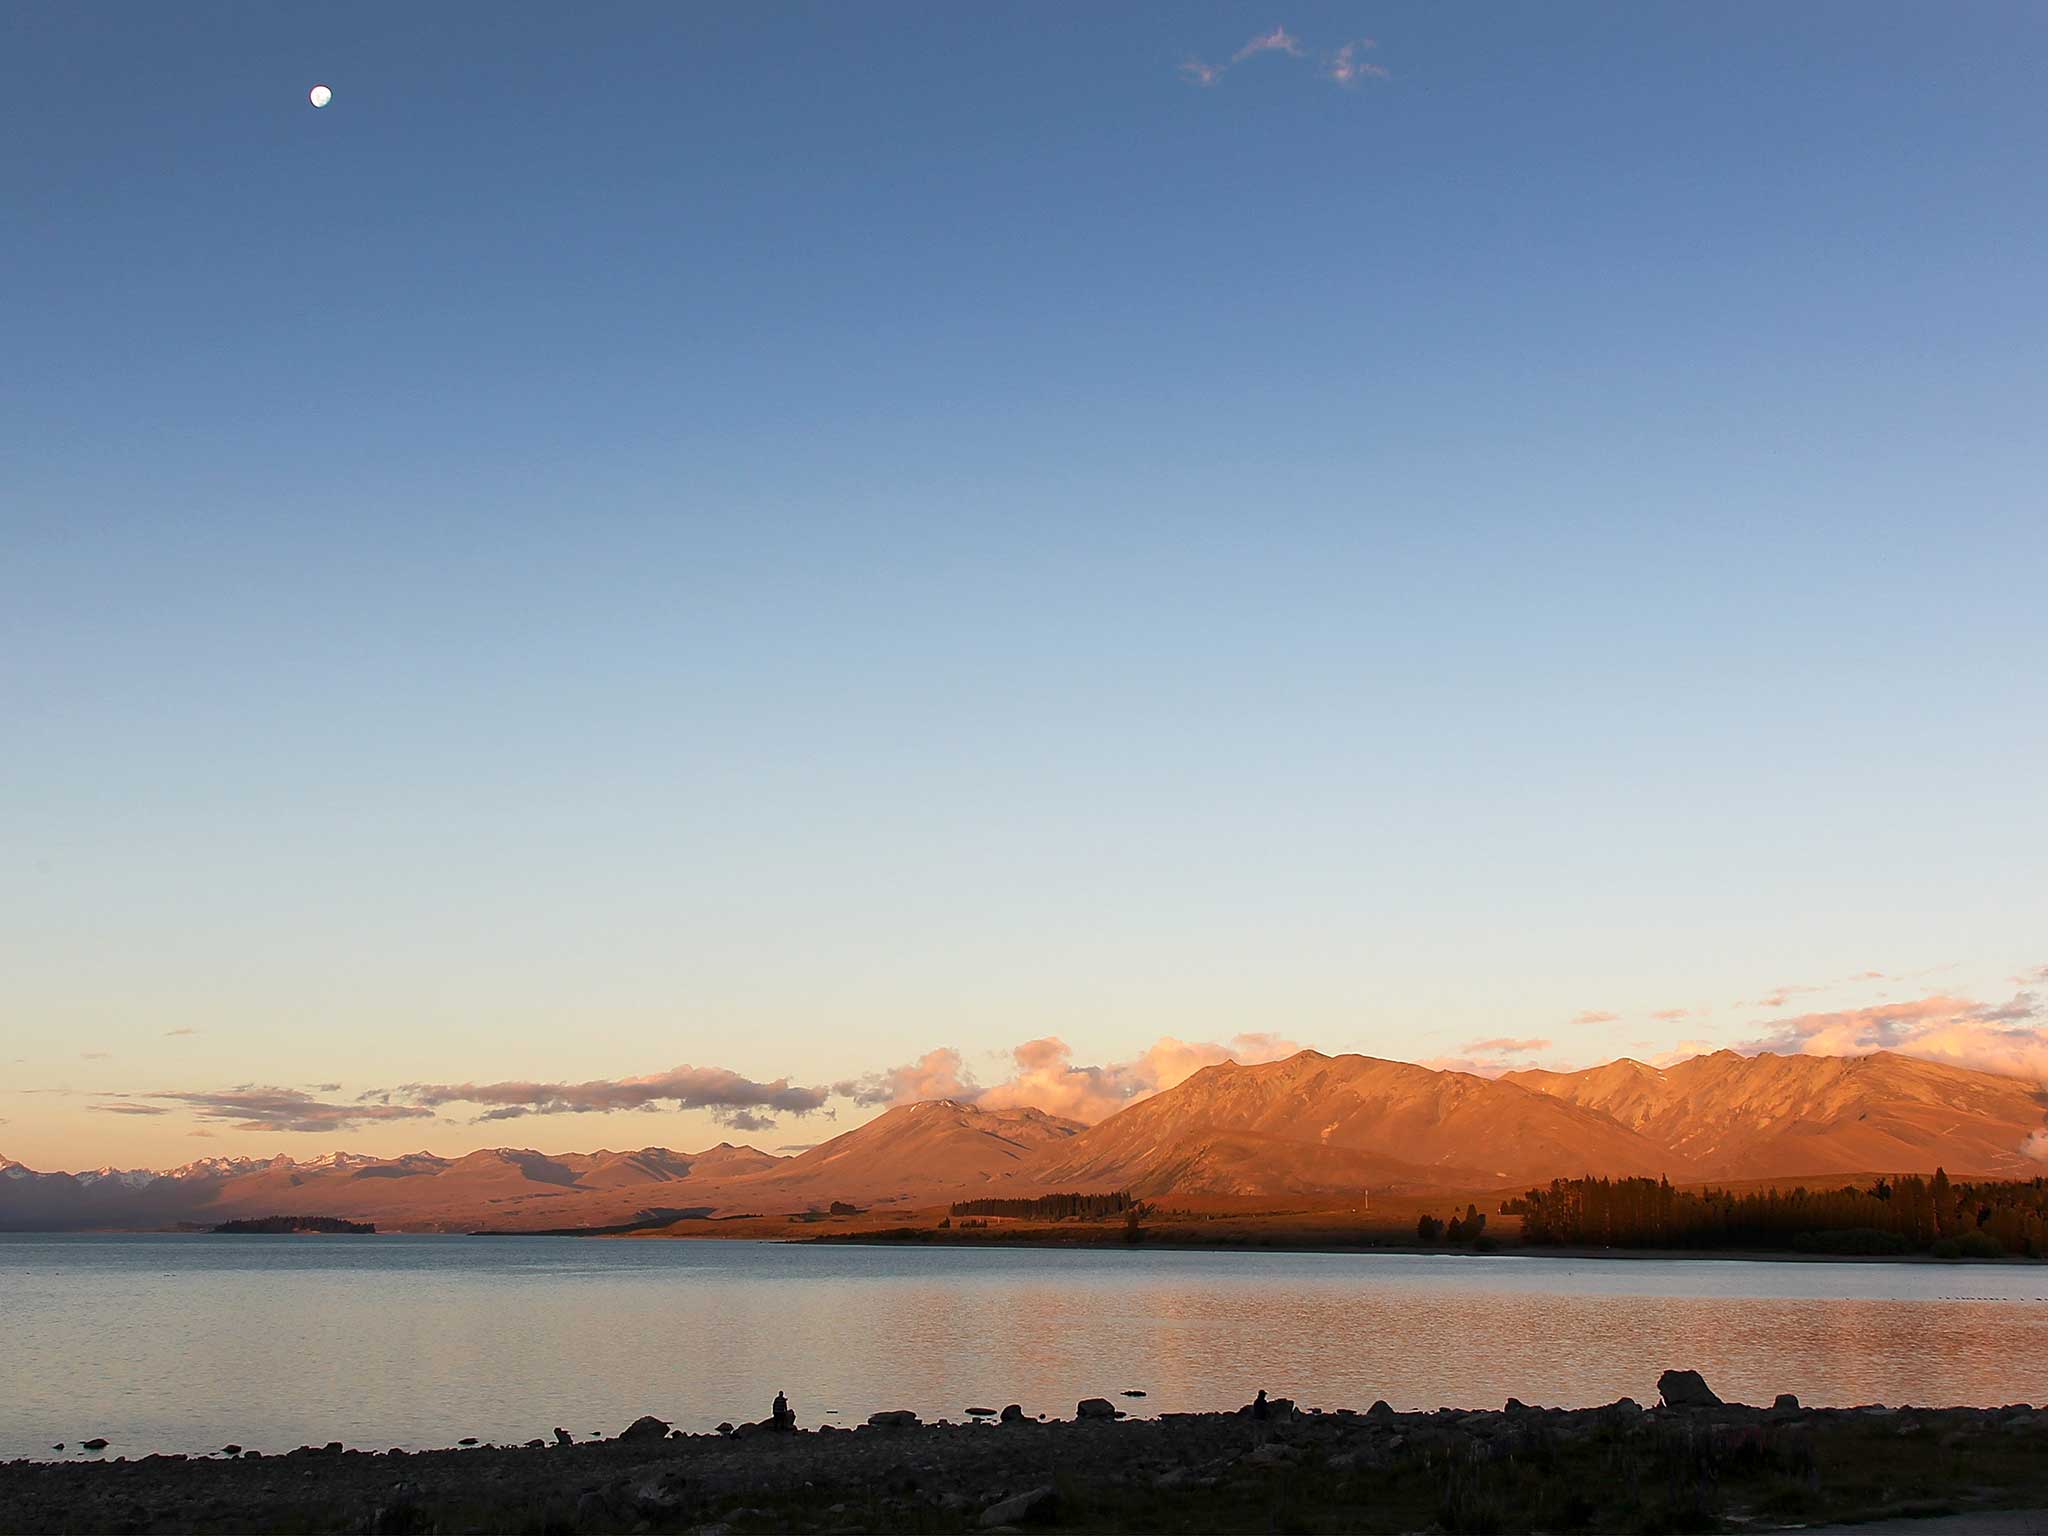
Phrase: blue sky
(784, 538)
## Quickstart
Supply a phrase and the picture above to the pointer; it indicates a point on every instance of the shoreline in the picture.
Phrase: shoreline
(1391, 1250)
(1610, 1468)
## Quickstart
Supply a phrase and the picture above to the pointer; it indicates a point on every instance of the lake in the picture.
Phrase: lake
(187, 1343)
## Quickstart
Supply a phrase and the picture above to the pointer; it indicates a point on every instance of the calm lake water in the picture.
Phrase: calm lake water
(191, 1342)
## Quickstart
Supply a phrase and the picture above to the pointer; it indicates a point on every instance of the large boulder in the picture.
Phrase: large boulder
(1034, 1504)
(1686, 1389)
(894, 1418)
(1013, 1413)
(1095, 1408)
(646, 1427)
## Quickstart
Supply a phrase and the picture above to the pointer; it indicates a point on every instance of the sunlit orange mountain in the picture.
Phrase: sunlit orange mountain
(1309, 1126)
(1735, 1117)
(1316, 1123)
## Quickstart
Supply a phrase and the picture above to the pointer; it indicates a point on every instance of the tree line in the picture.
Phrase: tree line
(1908, 1214)
(1050, 1207)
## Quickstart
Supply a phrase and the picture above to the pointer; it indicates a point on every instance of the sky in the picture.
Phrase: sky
(651, 572)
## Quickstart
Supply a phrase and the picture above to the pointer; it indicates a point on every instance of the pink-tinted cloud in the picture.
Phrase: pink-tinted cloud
(1347, 69)
(1195, 72)
(1685, 1050)
(1474, 1066)
(1671, 1015)
(1279, 40)
(2010, 1037)
(1595, 1016)
(936, 1074)
(128, 1108)
(1503, 1045)
(1044, 1076)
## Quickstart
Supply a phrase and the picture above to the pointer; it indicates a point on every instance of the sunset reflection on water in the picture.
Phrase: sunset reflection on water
(186, 1343)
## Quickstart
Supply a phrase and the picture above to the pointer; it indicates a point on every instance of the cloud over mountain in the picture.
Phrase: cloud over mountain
(730, 1098)
(2010, 1037)
(253, 1108)
(1045, 1077)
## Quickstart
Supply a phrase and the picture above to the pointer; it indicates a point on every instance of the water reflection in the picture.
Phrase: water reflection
(185, 1343)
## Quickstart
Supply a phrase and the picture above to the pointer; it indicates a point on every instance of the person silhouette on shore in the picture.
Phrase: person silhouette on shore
(783, 1416)
(1259, 1408)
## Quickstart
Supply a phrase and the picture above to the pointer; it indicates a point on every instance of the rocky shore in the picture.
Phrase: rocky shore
(1690, 1463)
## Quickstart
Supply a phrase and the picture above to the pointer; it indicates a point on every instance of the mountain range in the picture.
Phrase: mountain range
(1307, 1127)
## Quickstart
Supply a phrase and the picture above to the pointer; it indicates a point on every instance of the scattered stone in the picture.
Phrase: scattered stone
(563, 1437)
(536, 1445)
(1785, 1402)
(231, 1450)
(1686, 1389)
(725, 1429)
(1134, 1392)
(1380, 1410)
(1034, 1504)
(1096, 1408)
(94, 1444)
(893, 1418)
(646, 1427)
(1012, 1414)
(465, 1440)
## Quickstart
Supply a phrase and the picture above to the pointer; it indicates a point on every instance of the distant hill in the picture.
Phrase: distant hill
(500, 1187)
(910, 1155)
(1307, 1127)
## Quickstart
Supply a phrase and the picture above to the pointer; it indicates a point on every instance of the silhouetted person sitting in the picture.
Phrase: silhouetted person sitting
(1259, 1409)
(784, 1417)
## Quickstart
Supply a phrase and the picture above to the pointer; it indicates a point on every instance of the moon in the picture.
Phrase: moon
(320, 96)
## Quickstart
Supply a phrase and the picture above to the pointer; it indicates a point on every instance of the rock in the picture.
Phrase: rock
(1622, 1408)
(94, 1444)
(1785, 1402)
(1012, 1413)
(333, 1447)
(465, 1440)
(1133, 1392)
(229, 1450)
(646, 1427)
(725, 1429)
(659, 1496)
(1034, 1504)
(1516, 1405)
(1272, 1454)
(981, 1413)
(1380, 1410)
(563, 1437)
(1686, 1389)
(893, 1418)
(1095, 1408)
(536, 1445)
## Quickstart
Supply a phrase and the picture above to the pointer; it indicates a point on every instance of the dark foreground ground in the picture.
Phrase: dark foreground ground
(1619, 1468)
